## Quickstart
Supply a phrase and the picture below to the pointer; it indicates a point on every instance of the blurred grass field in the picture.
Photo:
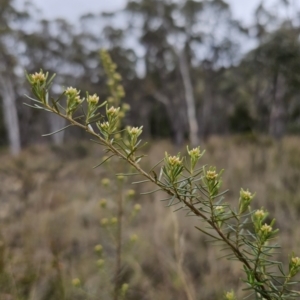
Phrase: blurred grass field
(50, 222)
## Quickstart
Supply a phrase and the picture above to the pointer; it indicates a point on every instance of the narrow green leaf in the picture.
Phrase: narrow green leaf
(47, 134)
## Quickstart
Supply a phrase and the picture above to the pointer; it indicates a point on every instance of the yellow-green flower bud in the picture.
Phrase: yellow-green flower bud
(137, 207)
(104, 125)
(266, 229)
(98, 249)
(219, 209)
(245, 200)
(120, 91)
(38, 78)
(134, 130)
(110, 82)
(246, 195)
(211, 175)
(100, 263)
(125, 107)
(130, 193)
(121, 114)
(110, 100)
(93, 99)
(71, 92)
(121, 177)
(294, 266)
(113, 65)
(295, 261)
(77, 100)
(174, 161)
(113, 112)
(117, 77)
(76, 282)
(134, 238)
(105, 182)
(124, 289)
(230, 296)
(103, 203)
(196, 153)
(260, 214)
(113, 221)
(104, 222)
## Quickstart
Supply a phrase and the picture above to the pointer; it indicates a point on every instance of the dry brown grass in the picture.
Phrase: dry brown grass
(50, 222)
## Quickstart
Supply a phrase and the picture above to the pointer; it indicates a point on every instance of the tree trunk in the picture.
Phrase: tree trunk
(207, 107)
(277, 120)
(10, 114)
(189, 98)
(57, 123)
(175, 115)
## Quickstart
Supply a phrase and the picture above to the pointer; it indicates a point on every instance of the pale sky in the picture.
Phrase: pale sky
(73, 9)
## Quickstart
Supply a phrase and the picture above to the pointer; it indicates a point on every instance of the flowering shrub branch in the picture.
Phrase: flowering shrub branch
(246, 234)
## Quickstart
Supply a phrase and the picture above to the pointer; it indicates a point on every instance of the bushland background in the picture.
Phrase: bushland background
(192, 73)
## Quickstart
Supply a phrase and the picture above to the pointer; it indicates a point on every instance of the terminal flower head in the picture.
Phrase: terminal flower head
(211, 175)
(296, 261)
(260, 214)
(195, 152)
(174, 160)
(134, 131)
(71, 92)
(246, 195)
(219, 209)
(230, 296)
(113, 111)
(294, 265)
(265, 229)
(245, 200)
(38, 78)
(93, 99)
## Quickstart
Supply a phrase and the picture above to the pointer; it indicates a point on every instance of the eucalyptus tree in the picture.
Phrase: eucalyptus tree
(270, 71)
(163, 83)
(279, 56)
(10, 21)
(180, 38)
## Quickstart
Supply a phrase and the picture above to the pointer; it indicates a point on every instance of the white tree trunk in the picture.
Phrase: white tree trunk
(189, 98)
(10, 114)
(56, 123)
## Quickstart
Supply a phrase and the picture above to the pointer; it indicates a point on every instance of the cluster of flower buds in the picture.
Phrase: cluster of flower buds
(37, 79)
(219, 214)
(133, 134)
(93, 107)
(245, 200)
(173, 167)
(73, 100)
(213, 180)
(114, 79)
(109, 127)
(40, 84)
(99, 252)
(294, 265)
(263, 230)
(195, 154)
